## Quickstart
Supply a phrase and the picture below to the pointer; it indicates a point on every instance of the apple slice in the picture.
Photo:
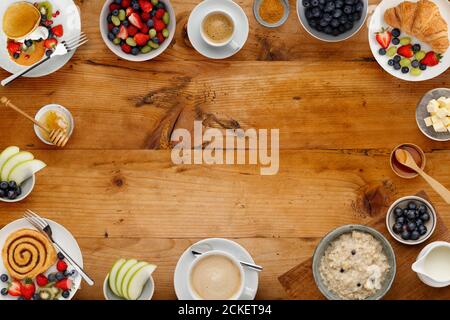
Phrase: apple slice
(6, 154)
(129, 275)
(25, 170)
(14, 161)
(122, 273)
(137, 281)
(113, 275)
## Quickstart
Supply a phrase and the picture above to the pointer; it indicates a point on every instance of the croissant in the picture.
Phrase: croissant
(422, 20)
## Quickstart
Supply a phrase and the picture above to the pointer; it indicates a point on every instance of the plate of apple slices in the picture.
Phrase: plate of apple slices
(17, 173)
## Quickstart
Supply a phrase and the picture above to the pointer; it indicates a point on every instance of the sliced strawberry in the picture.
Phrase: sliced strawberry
(61, 266)
(64, 284)
(58, 30)
(126, 3)
(132, 30)
(123, 33)
(129, 11)
(141, 39)
(50, 43)
(159, 25)
(41, 280)
(145, 5)
(135, 20)
(15, 288)
(13, 47)
(160, 37)
(28, 289)
(145, 16)
(160, 13)
(126, 48)
(114, 6)
(384, 38)
(406, 51)
(431, 59)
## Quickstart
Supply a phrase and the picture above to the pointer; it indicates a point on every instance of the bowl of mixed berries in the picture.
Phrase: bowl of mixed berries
(137, 30)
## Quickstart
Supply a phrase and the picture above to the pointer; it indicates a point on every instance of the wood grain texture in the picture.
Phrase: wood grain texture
(338, 112)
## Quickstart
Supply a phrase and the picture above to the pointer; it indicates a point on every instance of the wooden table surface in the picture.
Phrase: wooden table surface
(339, 116)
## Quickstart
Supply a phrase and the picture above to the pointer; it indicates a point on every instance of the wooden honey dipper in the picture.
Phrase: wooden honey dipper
(57, 136)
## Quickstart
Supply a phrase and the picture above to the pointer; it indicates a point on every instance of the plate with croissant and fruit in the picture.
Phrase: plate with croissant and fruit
(410, 39)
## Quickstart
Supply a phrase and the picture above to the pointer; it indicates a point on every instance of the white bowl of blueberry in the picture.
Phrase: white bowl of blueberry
(411, 220)
(11, 192)
(332, 20)
(137, 30)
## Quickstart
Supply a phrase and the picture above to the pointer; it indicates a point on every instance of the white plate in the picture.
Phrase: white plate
(61, 235)
(196, 18)
(69, 18)
(231, 247)
(377, 22)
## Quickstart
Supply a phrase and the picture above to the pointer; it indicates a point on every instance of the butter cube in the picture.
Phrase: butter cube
(441, 113)
(432, 106)
(439, 127)
(442, 101)
(435, 119)
(446, 121)
(428, 122)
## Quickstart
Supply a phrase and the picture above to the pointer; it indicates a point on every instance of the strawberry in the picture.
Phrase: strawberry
(50, 43)
(126, 3)
(123, 33)
(126, 48)
(145, 29)
(145, 5)
(13, 47)
(145, 16)
(28, 289)
(15, 288)
(113, 6)
(64, 284)
(61, 266)
(406, 51)
(160, 37)
(159, 13)
(141, 39)
(58, 30)
(384, 38)
(135, 20)
(159, 25)
(129, 11)
(41, 280)
(110, 26)
(132, 30)
(431, 59)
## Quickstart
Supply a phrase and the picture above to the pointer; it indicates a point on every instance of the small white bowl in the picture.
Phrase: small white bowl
(147, 291)
(27, 186)
(56, 107)
(430, 224)
(140, 57)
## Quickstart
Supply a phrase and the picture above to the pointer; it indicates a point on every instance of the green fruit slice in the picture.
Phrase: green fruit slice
(13, 161)
(46, 9)
(138, 280)
(25, 170)
(121, 275)
(129, 276)
(6, 154)
(113, 275)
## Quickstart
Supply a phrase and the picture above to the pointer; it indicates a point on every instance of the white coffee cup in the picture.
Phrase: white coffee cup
(230, 41)
(231, 258)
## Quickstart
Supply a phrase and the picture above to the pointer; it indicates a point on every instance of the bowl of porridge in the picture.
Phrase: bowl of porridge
(354, 262)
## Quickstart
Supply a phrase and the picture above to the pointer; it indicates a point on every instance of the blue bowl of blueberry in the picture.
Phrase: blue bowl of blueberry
(332, 20)
(411, 220)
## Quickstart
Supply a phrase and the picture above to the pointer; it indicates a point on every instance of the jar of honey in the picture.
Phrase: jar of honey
(54, 117)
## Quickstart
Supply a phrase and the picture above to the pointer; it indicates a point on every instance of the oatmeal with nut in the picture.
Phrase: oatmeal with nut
(354, 266)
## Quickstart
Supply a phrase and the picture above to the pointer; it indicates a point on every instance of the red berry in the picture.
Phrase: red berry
(141, 39)
(58, 30)
(160, 37)
(123, 33)
(126, 48)
(136, 20)
(15, 288)
(145, 16)
(145, 29)
(110, 26)
(160, 13)
(158, 24)
(61, 266)
(129, 11)
(113, 6)
(126, 3)
(28, 289)
(132, 30)
(41, 280)
(64, 284)
(146, 6)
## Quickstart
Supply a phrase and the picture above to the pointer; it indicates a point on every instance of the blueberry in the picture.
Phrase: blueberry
(118, 1)
(4, 277)
(306, 3)
(311, 22)
(308, 15)
(323, 22)
(328, 30)
(125, 23)
(422, 229)
(337, 13)
(51, 277)
(359, 6)
(4, 185)
(12, 195)
(135, 51)
(339, 3)
(155, 40)
(416, 47)
(66, 294)
(28, 43)
(115, 30)
(397, 66)
(395, 41)
(348, 9)
(415, 235)
(36, 296)
(401, 220)
(334, 23)
(398, 211)
(136, 6)
(348, 25)
(411, 215)
(12, 185)
(314, 3)
(329, 6)
(316, 12)
(115, 12)
(59, 275)
(422, 67)
(161, 5)
(397, 228)
(335, 32)
(327, 17)
(412, 205)
(356, 16)
(396, 32)
(382, 51)
(422, 209)
(2, 193)
(4, 291)
(425, 217)
(341, 28)
(48, 53)
(108, 18)
(405, 235)
(60, 256)
(150, 22)
(419, 222)
(412, 226)
(111, 36)
(343, 19)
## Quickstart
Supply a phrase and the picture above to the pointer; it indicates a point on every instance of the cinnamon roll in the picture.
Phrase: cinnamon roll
(27, 253)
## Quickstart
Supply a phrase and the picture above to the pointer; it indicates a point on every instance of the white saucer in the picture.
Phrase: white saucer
(71, 22)
(61, 235)
(181, 270)
(194, 25)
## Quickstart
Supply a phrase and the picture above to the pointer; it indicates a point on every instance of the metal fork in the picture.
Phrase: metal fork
(42, 225)
(61, 49)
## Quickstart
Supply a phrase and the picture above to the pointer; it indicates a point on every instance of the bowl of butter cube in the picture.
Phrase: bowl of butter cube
(433, 114)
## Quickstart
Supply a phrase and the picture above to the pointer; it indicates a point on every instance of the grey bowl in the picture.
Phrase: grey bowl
(330, 38)
(325, 242)
(262, 22)
(422, 113)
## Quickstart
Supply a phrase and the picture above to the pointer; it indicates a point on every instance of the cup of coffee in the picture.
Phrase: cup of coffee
(218, 29)
(216, 275)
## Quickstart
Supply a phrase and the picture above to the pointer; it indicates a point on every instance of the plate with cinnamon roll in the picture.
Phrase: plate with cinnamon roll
(30, 266)
(410, 39)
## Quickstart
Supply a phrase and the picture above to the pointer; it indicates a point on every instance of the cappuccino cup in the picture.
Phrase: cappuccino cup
(218, 29)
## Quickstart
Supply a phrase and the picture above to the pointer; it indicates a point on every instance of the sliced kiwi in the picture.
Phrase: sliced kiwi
(46, 294)
(30, 49)
(46, 9)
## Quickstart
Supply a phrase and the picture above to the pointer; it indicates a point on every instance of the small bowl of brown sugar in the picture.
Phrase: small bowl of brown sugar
(271, 13)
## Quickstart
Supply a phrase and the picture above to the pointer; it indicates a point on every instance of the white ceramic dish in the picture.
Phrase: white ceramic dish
(326, 37)
(194, 28)
(422, 113)
(27, 187)
(140, 57)
(431, 224)
(69, 18)
(181, 281)
(58, 108)
(61, 235)
(377, 23)
(147, 292)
